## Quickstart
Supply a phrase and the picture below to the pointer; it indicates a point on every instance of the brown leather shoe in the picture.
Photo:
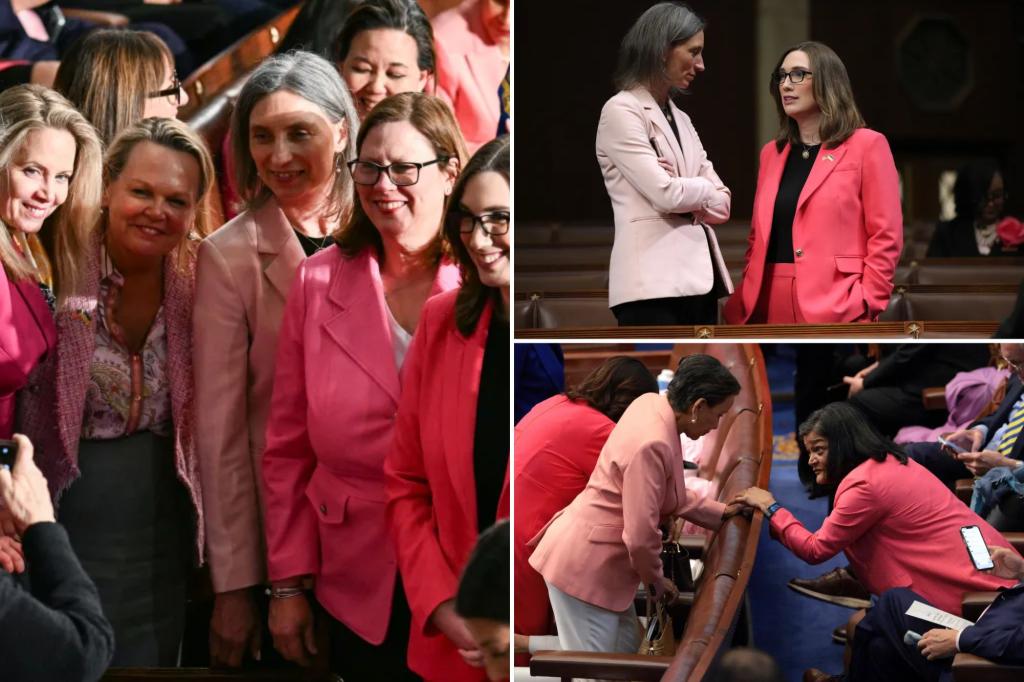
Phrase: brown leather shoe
(837, 586)
(815, 675)
(839, 635)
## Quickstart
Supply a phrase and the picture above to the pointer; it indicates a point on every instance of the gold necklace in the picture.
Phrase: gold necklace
(806, 153)
(317, 246)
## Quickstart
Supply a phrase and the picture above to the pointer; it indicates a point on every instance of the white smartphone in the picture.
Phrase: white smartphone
(976, 548)
(951, 445)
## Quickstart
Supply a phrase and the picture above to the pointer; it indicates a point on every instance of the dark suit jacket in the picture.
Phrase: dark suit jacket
(56, 631)
(955, 239)
(999, 633)
(540, 374)
(1002, 414)
(15, 43)
(916, 366)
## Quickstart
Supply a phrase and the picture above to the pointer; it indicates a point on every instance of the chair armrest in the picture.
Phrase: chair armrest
(1016, 540)
(971, 668)
(934, 398)
(976, 602)
(964, 489)
(575, 664)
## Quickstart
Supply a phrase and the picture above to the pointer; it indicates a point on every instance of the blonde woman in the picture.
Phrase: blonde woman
(125, 472)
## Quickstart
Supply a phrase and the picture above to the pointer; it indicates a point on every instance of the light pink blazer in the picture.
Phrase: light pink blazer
(900, 527)
(657, 252)
(245, 271)
(613, 524)
(431, 488)
(469, 72)
(332, 421)
(847, 232)
(57, 450)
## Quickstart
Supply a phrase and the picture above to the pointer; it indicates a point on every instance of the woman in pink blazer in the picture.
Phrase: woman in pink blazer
(347, 326)
(557, 445)
(472, 43)
(447, 472)
(827, 228)
(891, 517)
(244, 274)
(595, 552)
(666, 267)
(123, 467)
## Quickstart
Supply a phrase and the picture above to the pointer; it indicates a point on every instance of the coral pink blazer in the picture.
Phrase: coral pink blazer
(27, 335)
(613, 524)
(557, 445)
(430, 484)
(469, 72)
(900, 527)
(332, 420)
(847, 232)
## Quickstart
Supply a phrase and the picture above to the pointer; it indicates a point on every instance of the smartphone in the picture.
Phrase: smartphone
(911, 638)
(8, 453)
(951, 445)
(976, 548)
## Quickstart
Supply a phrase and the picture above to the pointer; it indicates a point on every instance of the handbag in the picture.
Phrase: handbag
(675, 564)
(658, 639)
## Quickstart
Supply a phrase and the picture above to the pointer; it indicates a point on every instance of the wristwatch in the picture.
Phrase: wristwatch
(772, 508)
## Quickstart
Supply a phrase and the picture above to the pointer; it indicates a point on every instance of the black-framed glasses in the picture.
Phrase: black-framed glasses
(998, 195)
(494, 223)
(795, 76)
(173, 93)
(402, 173)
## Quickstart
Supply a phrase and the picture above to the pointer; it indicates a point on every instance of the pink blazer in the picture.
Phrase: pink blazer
(27, 335)
(900, 527)
(557, 445)
(613, 524)
(658, 252)
(430, 485)
(332, 419)
(469, 72)
(847, 232)
(245, 271)
(76, 342)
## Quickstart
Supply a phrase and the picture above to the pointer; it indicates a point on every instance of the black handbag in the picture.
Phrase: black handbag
(675, 564)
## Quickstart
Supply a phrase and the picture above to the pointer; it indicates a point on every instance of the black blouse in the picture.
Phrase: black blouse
(493, 410)
(794, 176)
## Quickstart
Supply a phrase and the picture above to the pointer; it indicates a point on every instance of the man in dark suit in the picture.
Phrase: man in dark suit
(880, 651)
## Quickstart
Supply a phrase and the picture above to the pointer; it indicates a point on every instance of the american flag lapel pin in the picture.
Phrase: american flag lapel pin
(829, 157)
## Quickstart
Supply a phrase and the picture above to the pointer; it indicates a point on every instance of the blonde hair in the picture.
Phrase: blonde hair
(109, 74)
(174, 135)
(23, 109)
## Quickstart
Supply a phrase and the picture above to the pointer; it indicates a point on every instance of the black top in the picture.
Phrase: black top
(794, 176)
(57, 630)
(493, 407)
(672, 122)
(311, 245)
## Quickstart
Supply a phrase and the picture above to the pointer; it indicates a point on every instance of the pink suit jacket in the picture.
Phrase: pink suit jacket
(27, 336)
(607, 541)
(57, 450)
(430, 482)
(847, 232)
(557, 445)
(245, 271)
(657, 252)
(332, 421)
(469, 72)
(900, 527)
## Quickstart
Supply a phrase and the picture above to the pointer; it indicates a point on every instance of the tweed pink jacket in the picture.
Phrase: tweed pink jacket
(64, 383)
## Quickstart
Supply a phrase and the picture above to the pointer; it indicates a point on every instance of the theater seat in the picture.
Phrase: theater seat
(971, 668)
(562, 281)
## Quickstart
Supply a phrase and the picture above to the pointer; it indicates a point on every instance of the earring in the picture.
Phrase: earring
(693, 420)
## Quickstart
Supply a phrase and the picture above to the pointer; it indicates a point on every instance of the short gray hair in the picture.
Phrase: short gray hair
(315, 79)
(642, 52)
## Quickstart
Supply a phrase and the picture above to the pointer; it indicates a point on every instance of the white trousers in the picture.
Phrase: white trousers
(585, 627)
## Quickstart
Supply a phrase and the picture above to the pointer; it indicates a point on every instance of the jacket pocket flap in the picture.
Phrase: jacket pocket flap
(605, 534)
(850, 264)
(327, 501)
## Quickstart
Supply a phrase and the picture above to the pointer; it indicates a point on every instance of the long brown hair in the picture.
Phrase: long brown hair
(613, 385)
(495, 156)
(109, 74)
(434, 120)
(833, 93)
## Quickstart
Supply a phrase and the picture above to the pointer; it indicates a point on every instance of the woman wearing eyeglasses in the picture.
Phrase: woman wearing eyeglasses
(118, 77)
(827, 227)
(666, 267)
(294, 127)
(347, 325)
(447, 473)
(980, 197)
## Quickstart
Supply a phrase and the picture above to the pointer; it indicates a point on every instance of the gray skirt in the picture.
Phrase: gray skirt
(130, 523)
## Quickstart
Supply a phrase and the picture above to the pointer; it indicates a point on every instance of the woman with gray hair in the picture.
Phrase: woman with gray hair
(294, 127)
(666, 267)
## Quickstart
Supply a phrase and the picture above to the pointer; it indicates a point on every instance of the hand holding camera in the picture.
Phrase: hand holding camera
(23, 488)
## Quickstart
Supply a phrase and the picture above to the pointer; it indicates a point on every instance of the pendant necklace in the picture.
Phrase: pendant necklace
(806, 153)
